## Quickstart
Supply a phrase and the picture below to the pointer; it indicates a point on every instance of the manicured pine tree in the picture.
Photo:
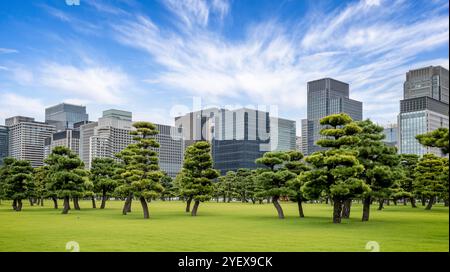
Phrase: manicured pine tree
(336, 170)
(168, 185)
(255, 189)
(296, 165)
(228, 186)
(408, 163)
(17, 176)
(66, 175)
(198, 174)
(436, 138)
(380, 163)
(274, 178)
(142, 172)
(429, 178)
(103, 171)
(244, 184)
(124, 188)
(40, 183)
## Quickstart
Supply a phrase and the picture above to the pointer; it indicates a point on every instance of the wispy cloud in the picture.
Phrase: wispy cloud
(365, 43)
(96, 84)
(197, 12)
(12, 104)
(8, 51)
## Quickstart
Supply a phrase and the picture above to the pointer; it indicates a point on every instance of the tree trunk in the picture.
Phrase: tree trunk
(31, 201)
(66, 206)
(300, 207)
(14, 204)
(19, 205)
(94, 206)
(102, 206)
(380, 206)
(366, 208)
(38, 202)
(405, 201)
(413, 202)
(395, 202)
(346, 208)
(42, 202)
(326, 200)
(127, 205)
(55, 202)
(337, 210)
(75, 203)
(445, 202)
(278, 207)
(430, 203)
(423, 201)
(144, 207)
(188, 204)
(195, 208)
(260, 201)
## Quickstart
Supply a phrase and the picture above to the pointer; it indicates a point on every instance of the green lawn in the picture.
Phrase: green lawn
(221, 227)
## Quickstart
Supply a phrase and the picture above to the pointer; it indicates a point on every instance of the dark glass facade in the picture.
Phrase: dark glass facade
(4, 137)
(230, 155)
(64, 116)
(327, 96)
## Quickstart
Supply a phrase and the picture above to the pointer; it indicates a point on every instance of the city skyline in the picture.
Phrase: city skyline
(226, 52)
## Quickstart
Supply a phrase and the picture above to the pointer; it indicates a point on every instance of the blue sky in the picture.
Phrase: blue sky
(153, 57)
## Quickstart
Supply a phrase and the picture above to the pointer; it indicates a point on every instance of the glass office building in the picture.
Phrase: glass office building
(417, 116)
(63, 116)
(424, 108)
(239, 136)
(326, 96)
(4, 139)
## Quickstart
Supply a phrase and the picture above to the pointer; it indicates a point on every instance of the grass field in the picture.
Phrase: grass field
(221, 227)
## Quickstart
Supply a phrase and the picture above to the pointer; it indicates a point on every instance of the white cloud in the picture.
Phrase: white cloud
(12, 104)
(365, 44)
(197, 12)
(96, 84)
(8, 50)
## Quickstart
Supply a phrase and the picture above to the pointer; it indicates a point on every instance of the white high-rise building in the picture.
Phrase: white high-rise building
(27, 139)
(111, 134)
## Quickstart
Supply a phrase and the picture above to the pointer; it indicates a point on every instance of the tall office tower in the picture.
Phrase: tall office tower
(4, 139)
(298, 143)
(429, 81)
(424, 107)
(63, 116)
(391, 135)
(327, 96)
(27, 139)
(171, 149)
(86, 132)
(304, 129)
(68, 138)
(282, 134)
(107, 137)
(238, 137)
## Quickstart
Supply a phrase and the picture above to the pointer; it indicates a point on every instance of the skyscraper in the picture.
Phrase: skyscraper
(238, 137)
(171, 149)
(111, 134)
(391, 135)
(424, 107)
(107, 137)
(327, 96)
(63, 116)
(27, 139)
(68, 138)
(4, 139)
